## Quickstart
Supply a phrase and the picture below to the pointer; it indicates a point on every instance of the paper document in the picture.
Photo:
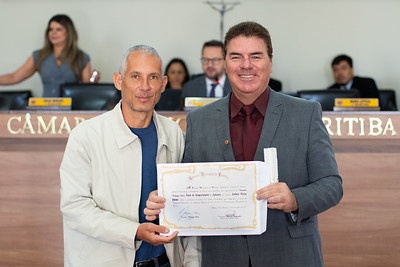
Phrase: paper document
(215, 198)
(271, 158)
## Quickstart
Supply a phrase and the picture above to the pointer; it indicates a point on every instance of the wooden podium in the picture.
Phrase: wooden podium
(360, 231)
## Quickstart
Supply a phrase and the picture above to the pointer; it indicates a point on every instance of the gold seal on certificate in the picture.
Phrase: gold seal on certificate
(213, 198)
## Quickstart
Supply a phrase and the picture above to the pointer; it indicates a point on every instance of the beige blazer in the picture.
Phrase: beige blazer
(100, 192)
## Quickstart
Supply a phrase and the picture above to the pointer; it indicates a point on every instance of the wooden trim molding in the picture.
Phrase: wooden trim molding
(340, 125)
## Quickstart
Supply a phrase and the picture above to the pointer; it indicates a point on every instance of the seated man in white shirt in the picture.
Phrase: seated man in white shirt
(212, 62)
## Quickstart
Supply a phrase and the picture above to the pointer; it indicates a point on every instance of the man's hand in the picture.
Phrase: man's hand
(150, 233)
(154, 204)
(279, 197)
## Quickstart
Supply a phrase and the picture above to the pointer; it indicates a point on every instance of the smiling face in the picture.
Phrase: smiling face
(141, 84)
(248, 67)
(57, 34)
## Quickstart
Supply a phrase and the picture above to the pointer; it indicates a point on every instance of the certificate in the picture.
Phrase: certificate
(214, 198)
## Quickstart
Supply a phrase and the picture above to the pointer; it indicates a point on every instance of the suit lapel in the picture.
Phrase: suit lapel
(271, 123)
(356, 82)
(223, 129)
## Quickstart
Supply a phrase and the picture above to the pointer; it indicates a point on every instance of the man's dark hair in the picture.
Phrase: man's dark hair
(213, 43)
(341, 58)
(249, 29)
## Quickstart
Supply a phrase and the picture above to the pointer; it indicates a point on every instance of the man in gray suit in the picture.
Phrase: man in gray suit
(212, 62)
(309, 181)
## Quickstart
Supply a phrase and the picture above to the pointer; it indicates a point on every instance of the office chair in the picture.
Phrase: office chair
(387, 100)
(89, 96)
(14, 100)
(327, 97)
(275, 84)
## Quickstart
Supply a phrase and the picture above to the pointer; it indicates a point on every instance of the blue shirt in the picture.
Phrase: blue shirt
(148, 138)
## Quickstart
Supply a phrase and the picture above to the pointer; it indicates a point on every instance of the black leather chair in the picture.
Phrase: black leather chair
(275, 84)
(14, 100)
(387, 100)
(327, 97)
(89, 96)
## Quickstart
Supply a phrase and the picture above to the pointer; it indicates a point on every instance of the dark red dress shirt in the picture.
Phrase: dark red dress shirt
(236, 121)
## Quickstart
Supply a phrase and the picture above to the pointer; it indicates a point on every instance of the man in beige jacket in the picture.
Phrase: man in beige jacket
(108, 170)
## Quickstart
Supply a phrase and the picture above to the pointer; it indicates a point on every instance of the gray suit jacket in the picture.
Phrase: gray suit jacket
(198, 87)
(306, 163)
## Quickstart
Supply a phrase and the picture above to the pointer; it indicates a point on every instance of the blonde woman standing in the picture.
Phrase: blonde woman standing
(59, 61)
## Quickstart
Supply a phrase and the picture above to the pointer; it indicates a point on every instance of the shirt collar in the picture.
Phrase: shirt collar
(260, 103)
(349, 84)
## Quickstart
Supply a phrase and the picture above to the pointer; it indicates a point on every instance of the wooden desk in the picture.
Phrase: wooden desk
(360, 231)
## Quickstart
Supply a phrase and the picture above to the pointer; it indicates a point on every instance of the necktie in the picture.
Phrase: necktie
(212, 92)
(250, 134)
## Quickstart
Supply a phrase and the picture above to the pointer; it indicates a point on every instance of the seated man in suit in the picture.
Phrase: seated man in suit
(213, 82)
(343, 73)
